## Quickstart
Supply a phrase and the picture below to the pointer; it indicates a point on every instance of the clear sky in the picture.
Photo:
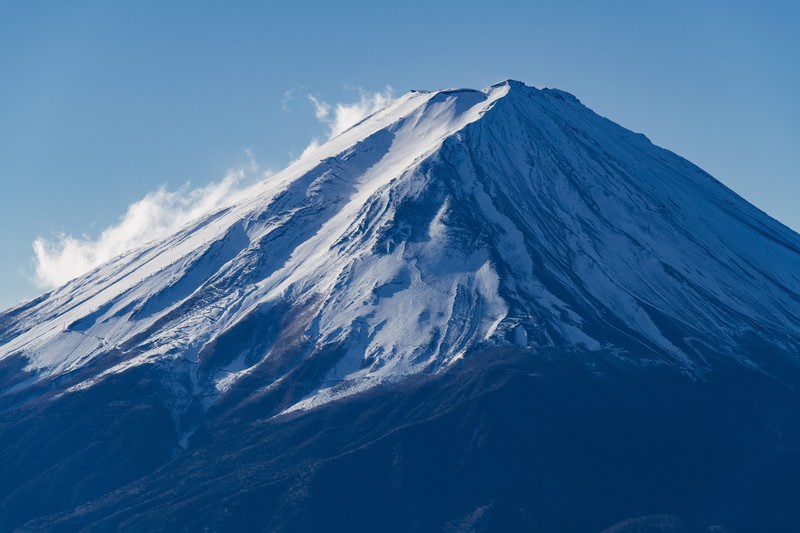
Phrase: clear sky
(103, 102)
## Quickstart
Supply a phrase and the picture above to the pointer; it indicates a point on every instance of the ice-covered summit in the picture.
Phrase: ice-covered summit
(448, 223)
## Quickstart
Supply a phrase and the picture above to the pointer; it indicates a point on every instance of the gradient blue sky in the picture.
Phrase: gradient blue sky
(102, 102)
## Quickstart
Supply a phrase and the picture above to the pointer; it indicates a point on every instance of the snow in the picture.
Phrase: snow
(447, 222)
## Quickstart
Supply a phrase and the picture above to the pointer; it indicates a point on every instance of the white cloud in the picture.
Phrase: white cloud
(348, 115)
(251, 161)
(321, 109)
(288, 96)
(162, 212)
(339, 117)
(157, 215)
(313, 145)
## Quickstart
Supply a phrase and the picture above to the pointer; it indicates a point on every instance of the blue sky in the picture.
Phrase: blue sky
(102, 103)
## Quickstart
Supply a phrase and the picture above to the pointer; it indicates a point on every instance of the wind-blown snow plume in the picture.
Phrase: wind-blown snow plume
(446, 225)
(341, 116)
(158, 214)
(161, 212)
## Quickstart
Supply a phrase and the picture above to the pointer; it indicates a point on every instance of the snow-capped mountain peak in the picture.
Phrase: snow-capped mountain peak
(447, 223)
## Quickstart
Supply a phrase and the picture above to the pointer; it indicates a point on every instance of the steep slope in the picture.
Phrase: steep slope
(520, 304)
(449, 222)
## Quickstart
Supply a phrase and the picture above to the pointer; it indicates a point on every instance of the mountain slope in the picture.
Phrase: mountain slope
(448, 222)
(453, 263)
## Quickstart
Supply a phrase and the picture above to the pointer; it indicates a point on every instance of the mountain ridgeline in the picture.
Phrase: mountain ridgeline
(475, 310)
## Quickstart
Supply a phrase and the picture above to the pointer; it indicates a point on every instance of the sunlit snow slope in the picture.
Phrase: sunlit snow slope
(447, 223)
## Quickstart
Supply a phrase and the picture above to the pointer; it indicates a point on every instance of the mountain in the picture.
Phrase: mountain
(474, 310)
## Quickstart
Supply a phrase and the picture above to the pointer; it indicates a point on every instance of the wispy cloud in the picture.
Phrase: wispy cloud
(288, 96)
(160, 213)
(342, 116)
(322, 109)
(157, 215)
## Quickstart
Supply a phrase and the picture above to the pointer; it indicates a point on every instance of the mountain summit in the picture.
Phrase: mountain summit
(449, 222)
(453, 229)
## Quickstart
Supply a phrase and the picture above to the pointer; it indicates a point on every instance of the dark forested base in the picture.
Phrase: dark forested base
(512, 446)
